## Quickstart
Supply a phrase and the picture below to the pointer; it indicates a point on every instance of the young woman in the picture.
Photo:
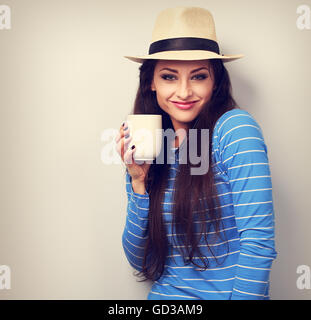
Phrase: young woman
(208, 236)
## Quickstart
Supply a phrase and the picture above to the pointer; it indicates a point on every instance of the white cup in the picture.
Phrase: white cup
(146, 133)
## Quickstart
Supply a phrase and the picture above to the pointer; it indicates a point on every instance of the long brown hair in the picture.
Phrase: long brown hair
(185, 203)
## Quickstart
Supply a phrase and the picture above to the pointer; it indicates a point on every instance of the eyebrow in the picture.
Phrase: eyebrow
(175, 71)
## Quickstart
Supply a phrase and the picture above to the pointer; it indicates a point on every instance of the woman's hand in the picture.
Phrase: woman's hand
(138, 172)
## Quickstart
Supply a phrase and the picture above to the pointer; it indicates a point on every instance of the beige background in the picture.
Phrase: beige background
(63, 81)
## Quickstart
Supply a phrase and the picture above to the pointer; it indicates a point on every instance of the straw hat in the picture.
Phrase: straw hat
(184, 33)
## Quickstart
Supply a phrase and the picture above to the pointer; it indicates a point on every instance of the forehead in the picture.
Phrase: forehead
(186, 65)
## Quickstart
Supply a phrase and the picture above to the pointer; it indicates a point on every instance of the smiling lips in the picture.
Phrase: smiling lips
(184, 105)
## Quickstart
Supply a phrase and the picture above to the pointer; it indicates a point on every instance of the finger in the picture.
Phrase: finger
(124, 125)
(124, 145)
(124, 130)
(128, 156)
(118, 137)
(118, 147)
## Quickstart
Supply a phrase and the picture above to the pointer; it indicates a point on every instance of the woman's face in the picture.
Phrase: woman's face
(182, 88)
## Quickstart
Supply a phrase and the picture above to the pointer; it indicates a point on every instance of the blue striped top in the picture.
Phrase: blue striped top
(243, 182)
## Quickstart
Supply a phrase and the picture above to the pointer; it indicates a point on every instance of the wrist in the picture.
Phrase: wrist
(138, 186)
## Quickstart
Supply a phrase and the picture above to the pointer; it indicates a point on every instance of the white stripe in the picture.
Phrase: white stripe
(163, 213)
(172, 295)
(167, 266)
(251, 203)
(138, 207)
(253, 256)
(257, 239)
(139, 247)
(242, 152)
(251, 280)
(136, 195)
(137, 235)
(215, 164)
(264, 189)
(198, 233)
(144, 229)
(186, 287)
(221, 183)
(235, 141)
(218, 269)
(240, 126)
(223, 255)
(252, 294)
(211, 245)
(137, 214)
(207, 221)
(139, 257)
(254, 216)
(237, 192)
(248, 164)
(257, 228)
(196, 211)
(254, 177)
(246, 267)
(255, 245)
(236, 115)
(139, 267)
(210, 280)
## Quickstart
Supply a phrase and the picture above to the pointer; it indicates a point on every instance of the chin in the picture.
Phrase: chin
(186, 117)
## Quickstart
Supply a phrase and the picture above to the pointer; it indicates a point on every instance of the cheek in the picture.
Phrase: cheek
(205, 92)
(164, 91)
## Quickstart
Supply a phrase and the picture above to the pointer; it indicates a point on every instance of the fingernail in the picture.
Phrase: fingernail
(133, 146)
(123, 124)
(126, 136)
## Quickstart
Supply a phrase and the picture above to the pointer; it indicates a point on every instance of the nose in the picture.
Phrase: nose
(184, 89)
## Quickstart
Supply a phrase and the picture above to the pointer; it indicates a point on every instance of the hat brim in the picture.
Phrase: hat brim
(185, 55)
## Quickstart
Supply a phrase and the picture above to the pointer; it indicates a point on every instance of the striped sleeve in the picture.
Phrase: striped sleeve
(135, 231)
(243, 158)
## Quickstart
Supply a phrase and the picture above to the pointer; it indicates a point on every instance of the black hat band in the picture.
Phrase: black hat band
(186, 43)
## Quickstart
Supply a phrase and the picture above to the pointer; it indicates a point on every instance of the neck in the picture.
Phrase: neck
(181, 130)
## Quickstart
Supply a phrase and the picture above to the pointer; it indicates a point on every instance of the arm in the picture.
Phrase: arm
(136, 227)
(243, 157)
